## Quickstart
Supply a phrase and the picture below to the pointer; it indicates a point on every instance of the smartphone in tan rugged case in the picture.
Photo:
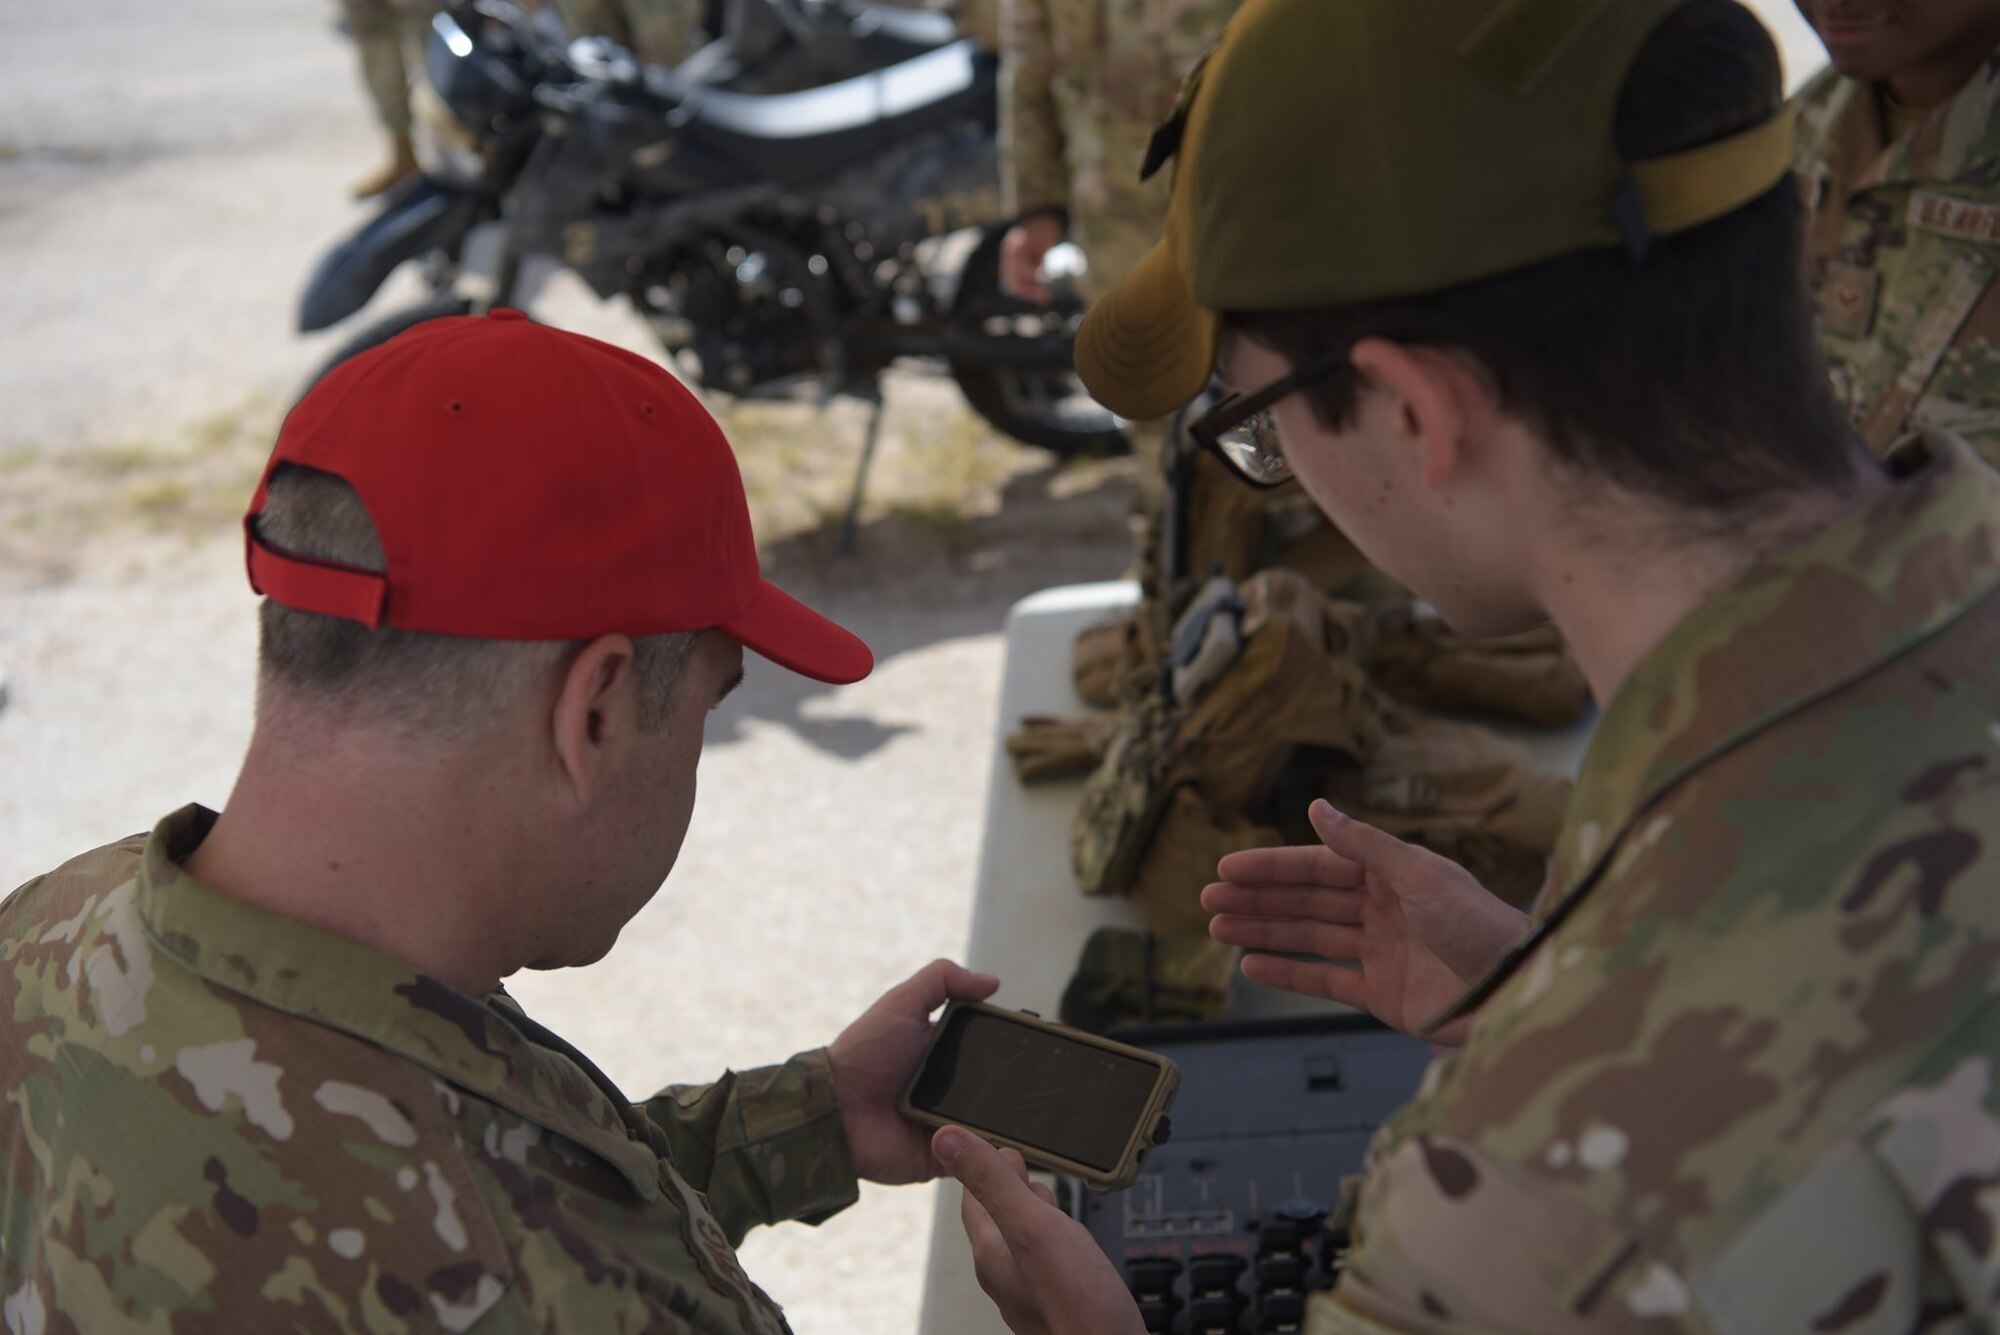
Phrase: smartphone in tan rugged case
(1067, 1100)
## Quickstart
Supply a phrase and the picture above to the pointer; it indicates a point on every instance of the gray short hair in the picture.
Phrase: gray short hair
(437, 684)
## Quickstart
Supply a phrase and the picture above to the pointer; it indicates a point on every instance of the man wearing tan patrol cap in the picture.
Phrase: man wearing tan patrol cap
(1510, 287)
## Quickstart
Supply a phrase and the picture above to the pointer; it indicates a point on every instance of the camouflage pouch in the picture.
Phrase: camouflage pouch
(1044, 749)
(1179, 861)
(1420, 661)
(1297, 683)
(1464, 792)
(1123, 799)
(1101, 661)
(1294, 683)
(1126, 977)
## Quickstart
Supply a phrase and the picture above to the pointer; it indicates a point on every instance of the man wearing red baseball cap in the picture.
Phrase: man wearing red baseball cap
(258, 1069)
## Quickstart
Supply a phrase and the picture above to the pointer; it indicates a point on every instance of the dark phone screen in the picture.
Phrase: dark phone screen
(1071, 1099)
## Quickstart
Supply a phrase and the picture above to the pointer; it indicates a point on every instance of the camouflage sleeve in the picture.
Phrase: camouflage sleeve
(592, 18)
(1457, 1239)
(980, 19)
(664, 32)
(1034, 168)
(764, 1146)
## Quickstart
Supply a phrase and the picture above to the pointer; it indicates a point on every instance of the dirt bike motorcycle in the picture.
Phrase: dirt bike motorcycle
(772, 241)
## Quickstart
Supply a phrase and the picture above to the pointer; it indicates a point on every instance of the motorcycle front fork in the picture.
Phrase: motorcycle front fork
(489, 271)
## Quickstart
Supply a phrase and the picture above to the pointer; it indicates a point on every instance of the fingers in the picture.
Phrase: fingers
(1268, 901)
(938, 982)
(1363, 845)
(1331, 982)
(1304, 865)
(999, 1186)
(1292, 936)
(1020, 1167)
(1021, 258)
(980, 1230)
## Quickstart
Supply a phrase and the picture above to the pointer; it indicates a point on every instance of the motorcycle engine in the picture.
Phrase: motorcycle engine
(741, 314)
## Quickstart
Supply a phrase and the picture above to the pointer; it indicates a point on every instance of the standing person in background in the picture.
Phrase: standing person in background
(384, 31)
(1897, 152)
(1082, 85)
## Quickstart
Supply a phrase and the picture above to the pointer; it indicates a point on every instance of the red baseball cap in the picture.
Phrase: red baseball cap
(532, 484)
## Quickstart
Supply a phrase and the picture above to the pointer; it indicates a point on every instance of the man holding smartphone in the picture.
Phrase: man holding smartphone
(1511, 289)
(258, 1069)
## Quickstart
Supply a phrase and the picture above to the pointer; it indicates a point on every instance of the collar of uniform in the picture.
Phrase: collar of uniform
(331, 980)
(1956, 137)
(1793, 629)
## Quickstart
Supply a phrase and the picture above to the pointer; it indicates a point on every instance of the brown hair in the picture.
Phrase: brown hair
(1689, 371)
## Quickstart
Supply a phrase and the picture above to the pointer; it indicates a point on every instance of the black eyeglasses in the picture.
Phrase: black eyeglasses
(1243, 433)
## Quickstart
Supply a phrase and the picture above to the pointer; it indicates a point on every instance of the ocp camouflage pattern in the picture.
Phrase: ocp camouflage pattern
(216, 1118)
(659, 32)
(1904, 252)
(1743, 1073)
(1083, 85)
(387, 34)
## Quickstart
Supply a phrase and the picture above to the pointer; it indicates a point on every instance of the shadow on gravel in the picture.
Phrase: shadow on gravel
(921, 577)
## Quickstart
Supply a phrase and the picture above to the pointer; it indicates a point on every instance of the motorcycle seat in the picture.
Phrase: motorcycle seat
(796, 137)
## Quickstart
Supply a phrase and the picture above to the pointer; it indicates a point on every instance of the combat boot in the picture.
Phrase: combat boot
(402, 163)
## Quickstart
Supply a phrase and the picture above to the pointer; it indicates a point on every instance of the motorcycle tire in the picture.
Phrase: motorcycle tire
(439, 306)
(1048, 408)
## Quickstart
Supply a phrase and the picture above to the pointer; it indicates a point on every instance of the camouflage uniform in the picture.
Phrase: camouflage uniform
(978, 19)
(1743, 1075)
(1904, 254)
(1082, 87)
(218, 1118)
(385, 32)
(659, 32)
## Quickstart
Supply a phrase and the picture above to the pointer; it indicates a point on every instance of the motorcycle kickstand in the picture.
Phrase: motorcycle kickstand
(849, 524)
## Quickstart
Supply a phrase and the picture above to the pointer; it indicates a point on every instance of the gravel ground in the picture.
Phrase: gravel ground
(167, 177)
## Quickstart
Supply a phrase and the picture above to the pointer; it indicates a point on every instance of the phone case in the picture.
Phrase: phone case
(1150, 1129)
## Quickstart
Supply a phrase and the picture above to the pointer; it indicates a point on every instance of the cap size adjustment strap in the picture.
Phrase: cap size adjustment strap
(1687, 189)
(308, 586)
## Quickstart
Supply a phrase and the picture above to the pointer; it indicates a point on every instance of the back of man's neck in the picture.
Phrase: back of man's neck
(1616, 603)
(371, 866)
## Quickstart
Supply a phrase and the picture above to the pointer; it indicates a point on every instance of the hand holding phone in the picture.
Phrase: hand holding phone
(1065, 1099)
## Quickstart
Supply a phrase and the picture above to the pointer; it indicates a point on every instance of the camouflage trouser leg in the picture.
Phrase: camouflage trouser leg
(385, 33)
(594, 18)
(664, 32)
(659, 32)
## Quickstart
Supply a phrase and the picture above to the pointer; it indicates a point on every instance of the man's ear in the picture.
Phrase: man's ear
(595, 706)
(1436, 397)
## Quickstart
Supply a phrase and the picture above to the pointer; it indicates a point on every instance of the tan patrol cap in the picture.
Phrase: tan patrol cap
(1339, 151)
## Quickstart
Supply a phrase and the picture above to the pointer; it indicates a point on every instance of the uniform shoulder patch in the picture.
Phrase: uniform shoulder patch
(1847, 298)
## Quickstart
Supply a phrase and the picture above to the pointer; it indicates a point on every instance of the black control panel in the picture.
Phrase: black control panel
(1225, 1232)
